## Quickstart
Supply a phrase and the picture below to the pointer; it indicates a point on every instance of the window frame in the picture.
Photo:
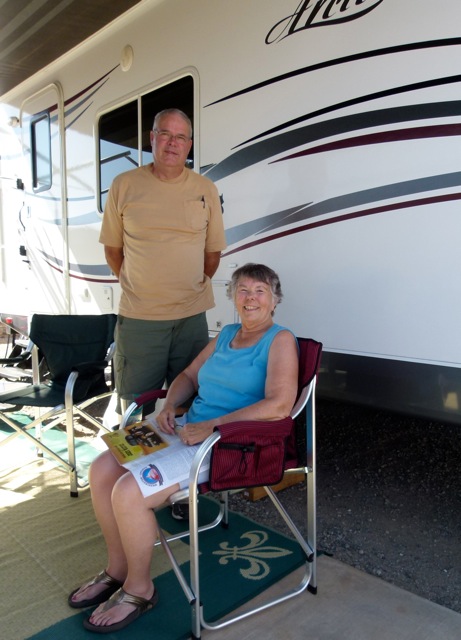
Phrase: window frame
(41, 180)
(179, 91)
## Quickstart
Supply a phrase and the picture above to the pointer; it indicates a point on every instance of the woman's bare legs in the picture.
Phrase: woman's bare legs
(137, 532)
(104, 473)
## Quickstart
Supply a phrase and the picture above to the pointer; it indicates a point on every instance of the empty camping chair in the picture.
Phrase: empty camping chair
(270, 449)
(77, 351)
(17, 365)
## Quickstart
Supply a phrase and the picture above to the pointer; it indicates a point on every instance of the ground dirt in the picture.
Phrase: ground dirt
(388, 498)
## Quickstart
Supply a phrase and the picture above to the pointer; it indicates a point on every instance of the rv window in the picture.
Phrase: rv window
(123, 144)
(118, 145)
(41, 152)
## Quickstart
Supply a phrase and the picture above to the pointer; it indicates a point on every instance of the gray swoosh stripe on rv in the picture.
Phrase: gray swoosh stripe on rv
(264, 149)
(347, 201)
(85, 269)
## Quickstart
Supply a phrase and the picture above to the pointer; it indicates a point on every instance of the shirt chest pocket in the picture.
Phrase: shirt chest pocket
(197, 214)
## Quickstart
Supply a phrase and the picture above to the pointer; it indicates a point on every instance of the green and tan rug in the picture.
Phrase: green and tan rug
(50, 543)
(21, 451)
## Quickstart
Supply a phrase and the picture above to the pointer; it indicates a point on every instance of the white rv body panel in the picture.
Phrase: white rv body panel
(330, 127)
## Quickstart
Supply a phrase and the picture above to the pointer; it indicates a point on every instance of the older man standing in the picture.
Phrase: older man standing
(163, 235)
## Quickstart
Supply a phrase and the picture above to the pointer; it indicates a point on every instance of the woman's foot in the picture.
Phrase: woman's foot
(120, 610)
(97, 590)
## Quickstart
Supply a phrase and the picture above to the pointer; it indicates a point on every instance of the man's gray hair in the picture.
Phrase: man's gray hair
(172, 112)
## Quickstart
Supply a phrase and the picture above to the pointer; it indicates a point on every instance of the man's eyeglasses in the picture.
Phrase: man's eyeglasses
(166, 136)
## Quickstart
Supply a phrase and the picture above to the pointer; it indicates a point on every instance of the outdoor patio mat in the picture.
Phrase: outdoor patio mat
(21, 450)
(50, 543)
(236, 565)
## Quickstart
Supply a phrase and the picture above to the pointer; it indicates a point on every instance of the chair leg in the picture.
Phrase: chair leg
(38, 431)
(312, 527)
(69, 405)
(311, 480)
(194, 564)
(23, 431)
(73, 479)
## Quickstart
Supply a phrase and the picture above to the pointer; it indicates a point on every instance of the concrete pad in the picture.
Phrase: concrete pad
(350, 604)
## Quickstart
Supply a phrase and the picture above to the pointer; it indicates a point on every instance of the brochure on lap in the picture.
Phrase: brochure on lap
(157, 460)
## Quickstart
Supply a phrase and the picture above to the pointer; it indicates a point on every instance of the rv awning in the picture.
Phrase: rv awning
(33, 34)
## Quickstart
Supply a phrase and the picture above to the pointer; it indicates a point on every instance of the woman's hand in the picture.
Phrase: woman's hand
(194, 433)
(165, 419)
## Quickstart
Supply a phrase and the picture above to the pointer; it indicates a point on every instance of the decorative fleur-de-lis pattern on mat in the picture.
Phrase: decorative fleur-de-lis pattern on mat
(254, 552)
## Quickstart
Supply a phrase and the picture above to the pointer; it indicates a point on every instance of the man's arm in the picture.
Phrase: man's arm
(114, 258)
(211, 265)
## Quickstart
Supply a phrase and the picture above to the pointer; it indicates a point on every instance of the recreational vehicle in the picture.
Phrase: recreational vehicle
(332, 131)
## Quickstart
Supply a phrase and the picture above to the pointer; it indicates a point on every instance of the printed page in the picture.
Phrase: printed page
(136, 440)
(159, 465)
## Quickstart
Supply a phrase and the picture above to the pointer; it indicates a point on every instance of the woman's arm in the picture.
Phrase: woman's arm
(182, 388)
(280, 391)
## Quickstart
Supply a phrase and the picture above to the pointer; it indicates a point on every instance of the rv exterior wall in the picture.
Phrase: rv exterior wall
(332, 132)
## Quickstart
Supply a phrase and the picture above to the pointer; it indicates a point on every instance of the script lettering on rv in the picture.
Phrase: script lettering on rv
(319, 13)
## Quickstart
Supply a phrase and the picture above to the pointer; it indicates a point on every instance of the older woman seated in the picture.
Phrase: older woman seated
(248, 372)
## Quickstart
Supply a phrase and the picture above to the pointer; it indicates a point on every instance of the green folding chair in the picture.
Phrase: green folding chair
(77, 351)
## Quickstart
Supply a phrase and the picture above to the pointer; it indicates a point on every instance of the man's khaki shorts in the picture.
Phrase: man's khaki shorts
(150, 353)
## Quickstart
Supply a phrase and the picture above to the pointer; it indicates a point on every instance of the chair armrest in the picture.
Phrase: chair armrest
(22, 357)
(232, 430)
(147, 396)
(142, 399)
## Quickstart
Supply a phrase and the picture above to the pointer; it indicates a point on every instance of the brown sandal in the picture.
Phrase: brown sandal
(122, 597)
(101, 578)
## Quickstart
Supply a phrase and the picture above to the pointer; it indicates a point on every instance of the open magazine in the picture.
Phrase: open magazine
(157, 460)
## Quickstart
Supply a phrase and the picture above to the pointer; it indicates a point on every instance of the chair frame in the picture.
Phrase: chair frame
(68, 410)
(306, 403)
(10, 368)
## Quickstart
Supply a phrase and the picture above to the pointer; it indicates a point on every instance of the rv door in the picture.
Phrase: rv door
(43, 221)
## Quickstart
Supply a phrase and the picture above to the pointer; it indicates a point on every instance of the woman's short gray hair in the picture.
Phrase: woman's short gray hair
(258, 272)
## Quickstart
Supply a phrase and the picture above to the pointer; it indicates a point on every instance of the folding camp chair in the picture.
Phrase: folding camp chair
(17, 365)
(77, 351)
(292, 449)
